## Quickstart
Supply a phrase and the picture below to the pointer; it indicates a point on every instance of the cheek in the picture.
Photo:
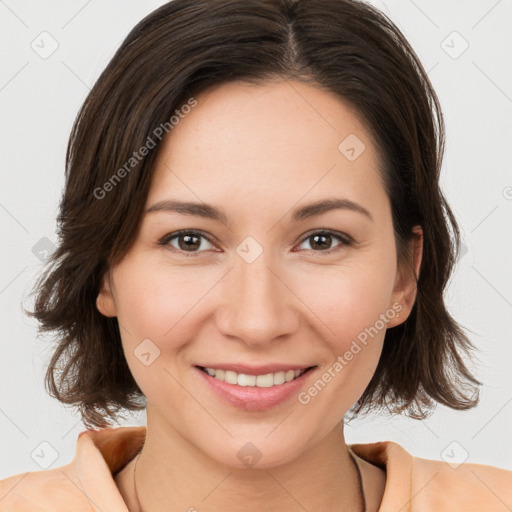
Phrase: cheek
(164, 305)
(354, 315)
(152, 301)
(153, 308)
(352, 304)
(348, 298)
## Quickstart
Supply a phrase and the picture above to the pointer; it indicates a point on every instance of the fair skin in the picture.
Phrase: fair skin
(258, 153)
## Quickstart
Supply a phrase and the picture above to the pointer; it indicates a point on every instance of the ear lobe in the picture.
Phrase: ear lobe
(105, 300)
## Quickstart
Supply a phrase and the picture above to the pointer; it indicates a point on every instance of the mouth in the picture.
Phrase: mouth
(254, 389)
(255, 378)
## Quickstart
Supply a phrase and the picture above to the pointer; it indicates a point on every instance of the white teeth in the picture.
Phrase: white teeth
(231, 377)
(246, 380)
(261, 381)
(289, 375)
(279, 378)
(265, 381)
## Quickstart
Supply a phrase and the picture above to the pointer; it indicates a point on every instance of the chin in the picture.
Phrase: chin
(259, 449)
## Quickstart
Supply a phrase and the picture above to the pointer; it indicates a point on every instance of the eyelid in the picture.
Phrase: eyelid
(319, 231)
(164, 241)
(343, 237)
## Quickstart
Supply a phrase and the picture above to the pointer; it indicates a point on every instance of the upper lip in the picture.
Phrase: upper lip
(256, 370)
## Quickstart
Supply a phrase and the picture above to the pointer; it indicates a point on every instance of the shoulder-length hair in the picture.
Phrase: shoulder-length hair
(184, 47)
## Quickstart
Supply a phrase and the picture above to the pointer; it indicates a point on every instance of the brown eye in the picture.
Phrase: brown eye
(187, 241)
(321, 241)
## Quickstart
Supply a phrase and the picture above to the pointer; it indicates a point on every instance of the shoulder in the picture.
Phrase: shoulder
(85, 484)
(417, 484)
(52, 490)
(471, 487)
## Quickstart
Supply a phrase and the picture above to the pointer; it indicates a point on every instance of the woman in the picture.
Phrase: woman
(254, 244)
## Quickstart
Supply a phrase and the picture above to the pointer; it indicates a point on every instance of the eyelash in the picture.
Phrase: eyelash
(347, 241)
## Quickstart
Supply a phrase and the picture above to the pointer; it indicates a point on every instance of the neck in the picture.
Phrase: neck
(172, 475)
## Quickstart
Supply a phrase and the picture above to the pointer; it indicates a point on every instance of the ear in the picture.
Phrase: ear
(105, 300)
(404, 292)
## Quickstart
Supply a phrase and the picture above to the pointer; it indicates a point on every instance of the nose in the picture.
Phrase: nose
(259, 306)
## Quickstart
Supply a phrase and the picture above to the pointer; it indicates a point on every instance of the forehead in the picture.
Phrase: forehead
(277, 143)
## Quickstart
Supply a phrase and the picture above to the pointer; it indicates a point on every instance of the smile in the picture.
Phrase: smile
(261, 381)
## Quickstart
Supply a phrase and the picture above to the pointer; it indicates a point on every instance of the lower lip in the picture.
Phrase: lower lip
(253, 398)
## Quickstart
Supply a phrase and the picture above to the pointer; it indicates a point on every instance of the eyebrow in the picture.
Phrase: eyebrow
(210, 212)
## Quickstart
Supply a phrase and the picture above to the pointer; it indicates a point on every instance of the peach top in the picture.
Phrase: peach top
(413, 484)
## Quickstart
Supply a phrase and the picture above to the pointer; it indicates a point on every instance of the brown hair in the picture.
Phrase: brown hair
(184, 47)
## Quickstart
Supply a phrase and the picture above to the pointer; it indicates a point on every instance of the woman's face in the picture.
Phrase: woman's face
(254, 286)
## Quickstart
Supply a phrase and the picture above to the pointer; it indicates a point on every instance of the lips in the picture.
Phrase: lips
(255, 396)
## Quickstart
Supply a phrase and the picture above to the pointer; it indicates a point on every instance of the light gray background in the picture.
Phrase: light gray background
(39, 98)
